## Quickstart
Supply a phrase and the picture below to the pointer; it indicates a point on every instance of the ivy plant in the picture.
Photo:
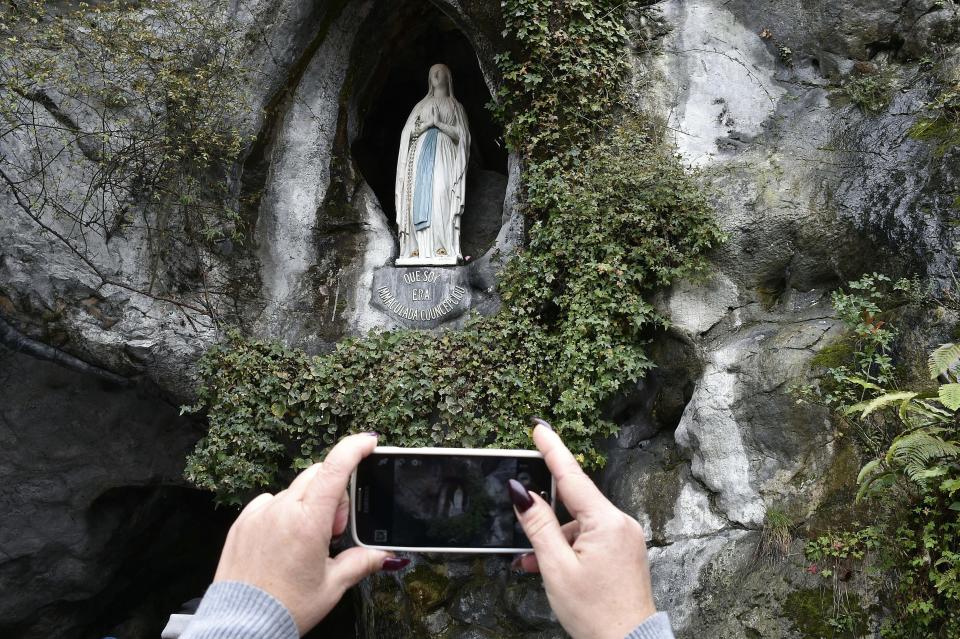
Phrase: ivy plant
(613, 216)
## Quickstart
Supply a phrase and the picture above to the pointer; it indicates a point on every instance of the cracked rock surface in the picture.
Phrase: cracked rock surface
(811, 190)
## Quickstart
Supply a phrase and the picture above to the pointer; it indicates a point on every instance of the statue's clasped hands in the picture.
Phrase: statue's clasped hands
(431, 121)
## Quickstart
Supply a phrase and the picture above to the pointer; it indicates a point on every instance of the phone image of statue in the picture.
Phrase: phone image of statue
(431, 175)
(455, 501)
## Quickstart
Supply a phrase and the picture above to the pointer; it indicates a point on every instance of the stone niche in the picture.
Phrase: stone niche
(320, 181)
(421, 36)
(417, 35)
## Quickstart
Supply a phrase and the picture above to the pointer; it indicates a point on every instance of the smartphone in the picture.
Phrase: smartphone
(444, 499)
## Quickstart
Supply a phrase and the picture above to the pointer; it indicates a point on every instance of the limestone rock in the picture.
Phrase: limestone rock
(811, 190)
(319, 229)
(698, 307)
(93, 502)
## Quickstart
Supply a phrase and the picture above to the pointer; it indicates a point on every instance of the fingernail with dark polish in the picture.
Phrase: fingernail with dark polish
(516, 563)
(394, 563)
(519, 495)
(372, 433)
(537, 420)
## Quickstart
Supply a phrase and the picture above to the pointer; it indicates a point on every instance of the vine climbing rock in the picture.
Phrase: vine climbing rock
(758, 98)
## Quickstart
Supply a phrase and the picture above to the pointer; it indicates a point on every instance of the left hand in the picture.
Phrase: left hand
(281, 543)
(595, 568)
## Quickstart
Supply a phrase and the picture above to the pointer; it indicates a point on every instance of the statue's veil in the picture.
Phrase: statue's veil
(447, 76)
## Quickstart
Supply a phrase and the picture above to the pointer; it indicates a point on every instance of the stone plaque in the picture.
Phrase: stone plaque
(422, 297)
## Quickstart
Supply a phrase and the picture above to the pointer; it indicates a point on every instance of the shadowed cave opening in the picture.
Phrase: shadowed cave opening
(89, 547)
(397, 46)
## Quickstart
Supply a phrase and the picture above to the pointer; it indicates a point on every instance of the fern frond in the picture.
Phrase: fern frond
(943, 358)
(930, 473)
(859, 381)
(868, 470)
(916, 450)
(934, 413)
(879, 402)
(950, 396)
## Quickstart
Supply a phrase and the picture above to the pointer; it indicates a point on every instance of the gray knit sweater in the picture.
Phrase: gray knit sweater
(235, 610)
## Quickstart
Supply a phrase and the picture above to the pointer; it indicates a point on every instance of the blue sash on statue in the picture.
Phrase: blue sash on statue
(423, 196)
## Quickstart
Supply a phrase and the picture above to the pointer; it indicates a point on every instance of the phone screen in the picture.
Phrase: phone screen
(443, 501)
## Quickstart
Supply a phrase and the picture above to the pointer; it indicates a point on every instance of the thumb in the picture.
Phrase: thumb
(353, 564)
(541, 526)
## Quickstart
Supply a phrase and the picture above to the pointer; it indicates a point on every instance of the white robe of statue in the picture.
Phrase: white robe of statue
(436, 239)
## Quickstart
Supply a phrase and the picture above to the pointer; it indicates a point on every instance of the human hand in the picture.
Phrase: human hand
(281, 543)
(594, 568)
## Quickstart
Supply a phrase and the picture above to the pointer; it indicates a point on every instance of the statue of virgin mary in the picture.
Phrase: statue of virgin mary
(431, 175)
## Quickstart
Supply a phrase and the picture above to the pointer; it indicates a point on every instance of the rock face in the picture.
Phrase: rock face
(812, 192)
(320, 226)
(100, 533)
(811, 189)
(321, 229)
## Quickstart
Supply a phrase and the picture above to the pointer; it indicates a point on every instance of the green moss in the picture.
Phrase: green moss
(837, 509)
(836, 354)
(814, 615)
(769, 296)
(939, 130)
(386, 602)
(661, 502)
(930, 129)
(427, 585)
(808, 610)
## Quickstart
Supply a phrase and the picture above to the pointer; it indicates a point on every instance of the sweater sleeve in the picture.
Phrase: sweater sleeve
(235, 610)
(657, 626)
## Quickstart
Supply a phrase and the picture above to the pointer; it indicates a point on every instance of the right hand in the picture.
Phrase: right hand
(594, 568)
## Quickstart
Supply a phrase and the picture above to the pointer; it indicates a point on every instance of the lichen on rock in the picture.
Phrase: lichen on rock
(811, 187)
